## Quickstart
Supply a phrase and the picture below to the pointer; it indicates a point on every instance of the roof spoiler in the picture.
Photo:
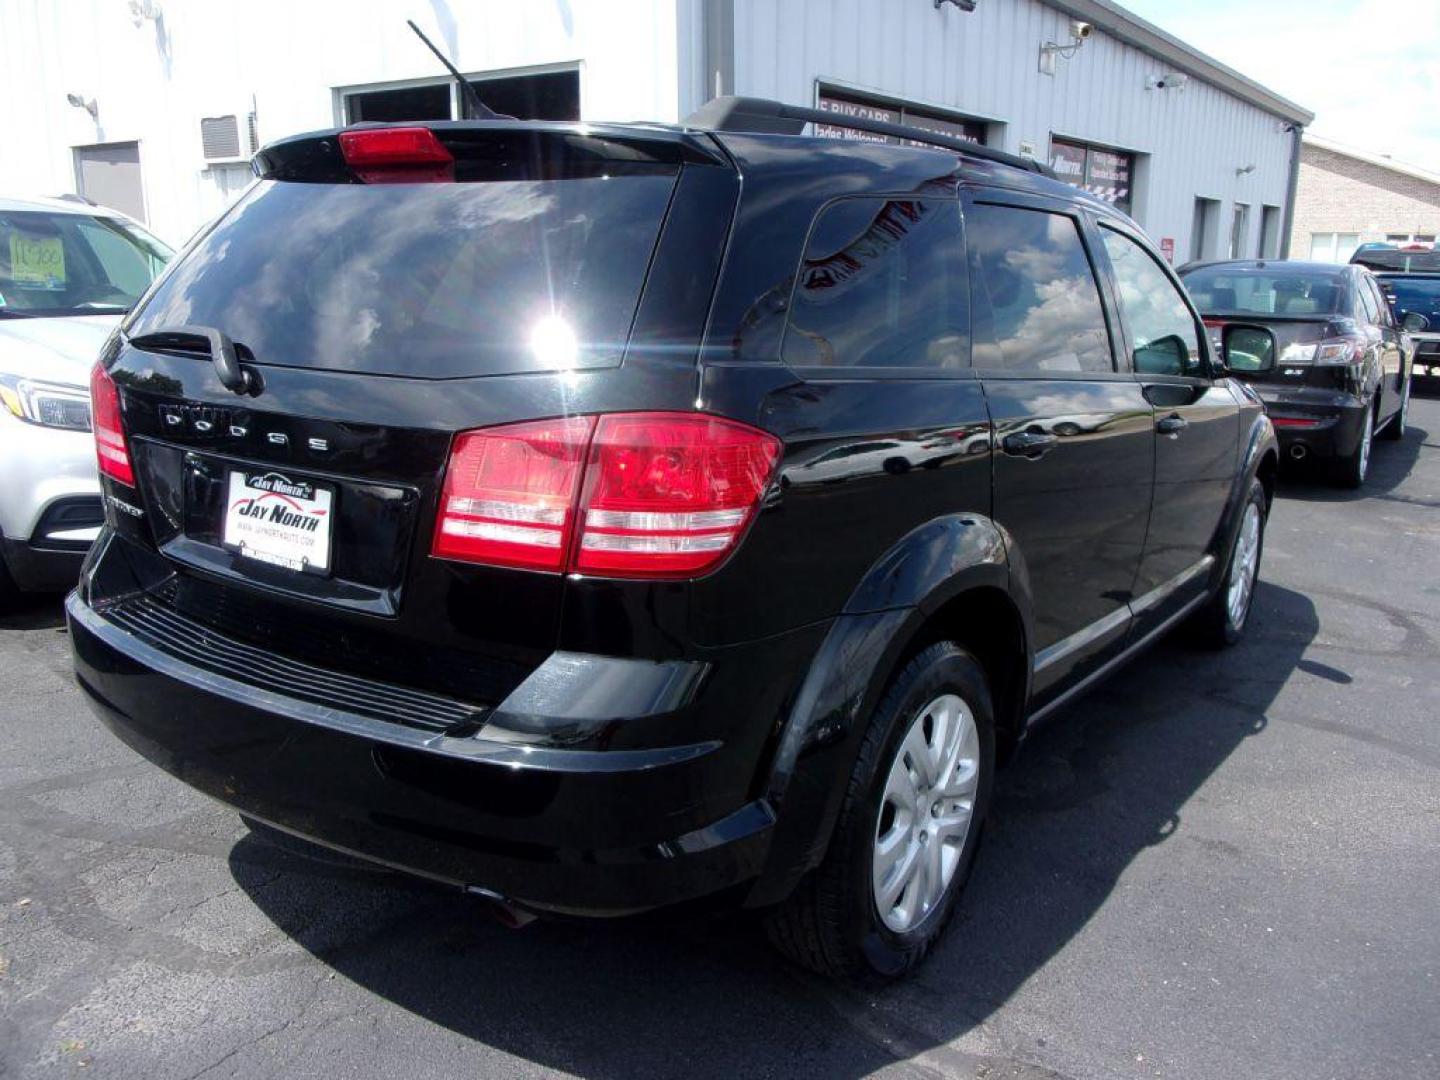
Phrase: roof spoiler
(765, 117)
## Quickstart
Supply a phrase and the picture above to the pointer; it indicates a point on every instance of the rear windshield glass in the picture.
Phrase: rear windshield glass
(1226, 290)
(436, 280)
(55, 264)
(1420, 295)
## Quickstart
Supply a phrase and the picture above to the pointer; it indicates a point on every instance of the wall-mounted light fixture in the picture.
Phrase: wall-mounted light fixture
(1079, 31)
(963, 5)
(90, 106)
(1244, 170)
(143, 11)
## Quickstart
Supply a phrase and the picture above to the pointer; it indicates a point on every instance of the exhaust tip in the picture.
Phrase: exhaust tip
(504, 912)
(1298, 452)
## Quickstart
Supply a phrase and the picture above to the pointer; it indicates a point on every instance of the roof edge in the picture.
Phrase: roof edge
(1371, 158)
(1149, 38)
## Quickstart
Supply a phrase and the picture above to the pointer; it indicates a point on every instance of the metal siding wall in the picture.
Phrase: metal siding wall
(985, 63)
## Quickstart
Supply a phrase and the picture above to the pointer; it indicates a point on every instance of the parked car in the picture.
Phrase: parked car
(460, 516)
(1417, 293)
(1341, 374)
(67, 271)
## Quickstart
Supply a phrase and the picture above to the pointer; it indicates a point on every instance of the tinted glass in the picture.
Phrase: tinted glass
(437, 280)
(1416, 294)
(1162, 328)
(882, 285)
(1273, 290)
(1037, 307)
(73, 264)
(1383, 315)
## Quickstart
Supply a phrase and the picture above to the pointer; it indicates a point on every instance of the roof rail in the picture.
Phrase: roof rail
(767, 117)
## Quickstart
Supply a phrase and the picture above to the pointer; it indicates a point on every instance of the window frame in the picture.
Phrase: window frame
(1015, 200)
(1212, 370)
(910, 372)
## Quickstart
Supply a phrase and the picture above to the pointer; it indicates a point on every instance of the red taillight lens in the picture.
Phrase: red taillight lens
(1292, 421)
(664, 495)
(509, 496)
(111, 453)
(397, 155)
(669, 494)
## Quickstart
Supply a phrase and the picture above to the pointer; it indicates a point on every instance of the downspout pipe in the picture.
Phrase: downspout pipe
(1296, 131)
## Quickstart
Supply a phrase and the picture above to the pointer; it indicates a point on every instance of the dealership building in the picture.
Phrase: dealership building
(154, 106)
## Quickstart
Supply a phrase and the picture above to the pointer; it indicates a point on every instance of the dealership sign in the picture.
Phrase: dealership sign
(843, 105)
(1105, 173)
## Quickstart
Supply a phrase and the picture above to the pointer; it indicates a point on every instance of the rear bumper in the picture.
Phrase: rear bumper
(1323, 426)
(569, 831)
(40, 569)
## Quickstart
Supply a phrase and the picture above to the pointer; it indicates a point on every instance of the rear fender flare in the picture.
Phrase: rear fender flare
(816, 747)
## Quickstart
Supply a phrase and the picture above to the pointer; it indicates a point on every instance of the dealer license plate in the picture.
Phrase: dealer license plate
(277, 520)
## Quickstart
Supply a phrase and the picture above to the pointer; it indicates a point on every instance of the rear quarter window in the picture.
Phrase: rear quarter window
(882, 284)
(436, 280)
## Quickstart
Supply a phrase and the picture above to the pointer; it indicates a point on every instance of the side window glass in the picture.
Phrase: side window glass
(1162, 329)
(1367, 303)
(882, 284)
(1037, 306)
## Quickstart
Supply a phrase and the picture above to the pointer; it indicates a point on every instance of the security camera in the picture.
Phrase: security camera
(1081, 30)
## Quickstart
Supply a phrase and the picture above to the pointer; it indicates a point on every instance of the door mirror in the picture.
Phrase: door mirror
(1247, 349)
(1414, 322)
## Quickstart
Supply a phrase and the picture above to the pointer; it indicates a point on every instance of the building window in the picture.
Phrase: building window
(1202, 227)
(1333, 247)
(553, 95)
(1106, 173)
(1239, 226)
(1269, 232)
(844, 103)
(1410, 238)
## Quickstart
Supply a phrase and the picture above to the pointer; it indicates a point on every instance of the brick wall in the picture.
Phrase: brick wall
(1342, 195)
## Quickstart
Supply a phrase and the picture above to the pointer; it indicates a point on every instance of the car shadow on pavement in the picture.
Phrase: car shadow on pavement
(1093, 789)
(1390, 464)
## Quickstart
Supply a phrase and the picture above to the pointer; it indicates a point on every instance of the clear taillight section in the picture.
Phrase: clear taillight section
(663, 495)
(111, 453)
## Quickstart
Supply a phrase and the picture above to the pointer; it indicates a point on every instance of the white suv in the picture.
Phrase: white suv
(68, 271)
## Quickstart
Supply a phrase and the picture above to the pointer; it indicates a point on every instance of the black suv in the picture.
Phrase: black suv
(606, 517)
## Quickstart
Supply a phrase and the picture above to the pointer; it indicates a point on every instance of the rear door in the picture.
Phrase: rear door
(1392, 354)
(1074, 466)
(1197, 424)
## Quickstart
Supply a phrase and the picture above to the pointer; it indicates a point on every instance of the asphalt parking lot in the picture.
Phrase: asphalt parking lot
(1218, 865)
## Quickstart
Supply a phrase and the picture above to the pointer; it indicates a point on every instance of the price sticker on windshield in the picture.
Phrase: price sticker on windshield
(37, 262)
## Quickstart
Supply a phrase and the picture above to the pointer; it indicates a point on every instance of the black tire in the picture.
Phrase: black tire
(1394, 431)
(831, 923)
(1351, 470)
(9, 592)
(1214, 625)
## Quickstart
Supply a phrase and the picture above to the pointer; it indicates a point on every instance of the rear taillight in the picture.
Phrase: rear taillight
(111, 452)
(1340, 352)
(648, 495)
(509, 496)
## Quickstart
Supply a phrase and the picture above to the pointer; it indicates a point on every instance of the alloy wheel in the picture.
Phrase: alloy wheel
(1244, 566)
(926, 812)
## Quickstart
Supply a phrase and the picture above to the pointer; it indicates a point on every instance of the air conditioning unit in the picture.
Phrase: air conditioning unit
(223, 141)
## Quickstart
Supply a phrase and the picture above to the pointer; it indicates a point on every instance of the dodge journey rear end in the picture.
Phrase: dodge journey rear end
(603, 518)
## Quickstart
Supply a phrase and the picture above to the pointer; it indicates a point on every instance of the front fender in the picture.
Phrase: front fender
(817, 746)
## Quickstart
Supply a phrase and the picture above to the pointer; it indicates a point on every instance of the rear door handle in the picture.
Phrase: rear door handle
(1171, 425)
(1031, 444)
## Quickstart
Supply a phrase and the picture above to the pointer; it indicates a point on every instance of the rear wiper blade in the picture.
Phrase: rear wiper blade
(215, 343)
